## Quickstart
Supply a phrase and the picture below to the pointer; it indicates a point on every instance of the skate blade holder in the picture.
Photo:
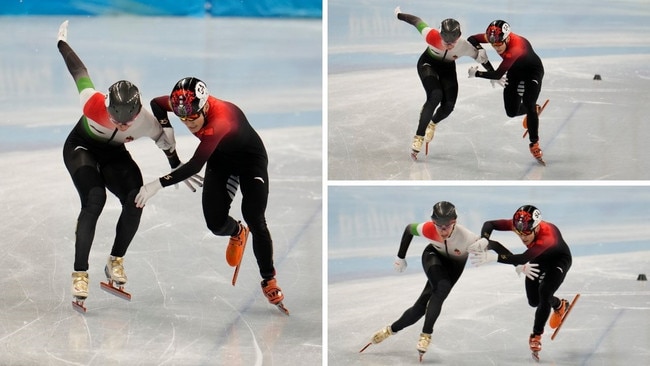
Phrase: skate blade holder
(78, 305)
(113, 290)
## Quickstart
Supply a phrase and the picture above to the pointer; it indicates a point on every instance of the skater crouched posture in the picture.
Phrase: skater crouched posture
(525, 74)
(97, 159)
(231, 148)
(546, 251)
(443, 261)
(437, 71)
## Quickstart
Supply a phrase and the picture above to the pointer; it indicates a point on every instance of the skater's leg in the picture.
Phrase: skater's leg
(529, 102)
(217, 200)
(124, 179)
(552, 280)
(415, 312)
(89, 183)
(433, 90)
(442, 275)
(449, 85)
(255, 191)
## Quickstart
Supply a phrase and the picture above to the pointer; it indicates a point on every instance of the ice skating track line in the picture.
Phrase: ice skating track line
(253, 294)
(534, 169)
(603, 336)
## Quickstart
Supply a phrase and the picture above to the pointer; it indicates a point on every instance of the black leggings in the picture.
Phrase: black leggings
(541, 295)
(517, 105)
(441, 87)
(93, 170)
(254, 185)
(442, 274)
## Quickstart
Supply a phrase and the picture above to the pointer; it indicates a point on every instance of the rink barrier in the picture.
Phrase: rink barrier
(193, 8)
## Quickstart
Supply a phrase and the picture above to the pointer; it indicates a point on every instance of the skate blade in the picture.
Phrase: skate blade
(568, 310)
(414, 155)
(236, 273)
(78, 305)
(426, 149)
(366, 346)
(541, 161)
(283, 308)
(421, 355)
(117, 291)
(535, 355)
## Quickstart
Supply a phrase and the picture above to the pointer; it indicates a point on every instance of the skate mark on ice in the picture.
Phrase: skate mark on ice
(536, 171)
(600, 340)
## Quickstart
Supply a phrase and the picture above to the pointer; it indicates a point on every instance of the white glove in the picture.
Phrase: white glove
(147, 191)
(482, 56)
(482, 258)
(397, 10)
(503, 81)
(529, 269)
(63, 32)
(196, 179)
(400, 264)
(478, 246)
(472, 71)
(167, 141)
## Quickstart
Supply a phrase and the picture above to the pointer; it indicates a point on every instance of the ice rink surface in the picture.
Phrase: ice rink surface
(591, 130)
(184, 311)
(486, 319)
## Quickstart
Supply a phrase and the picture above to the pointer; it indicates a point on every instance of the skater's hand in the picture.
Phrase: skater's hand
(482, 56)
(397, 11)
(481, 258)
(147, 191)
(478, 246)
(63, 32)
(399, 264)
(194, 180)
(529, 269)
(472, 71)
(503, 82)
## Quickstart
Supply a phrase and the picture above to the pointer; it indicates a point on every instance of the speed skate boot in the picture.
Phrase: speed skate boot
(382, 334)
(428, 136)
(80, 285)
(416, 146)
(536, 152)
(115, 278)
(558, 314)
(535, 342)
(114, 270)
(274, 294)
(430, 131)
(79, 290)
(423, 344)
(236, 245)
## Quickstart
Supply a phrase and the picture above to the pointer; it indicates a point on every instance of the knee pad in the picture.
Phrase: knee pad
(94, 201)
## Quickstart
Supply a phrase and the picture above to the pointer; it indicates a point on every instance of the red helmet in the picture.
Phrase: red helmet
(188, 97)
(497, 31)
(526, 219)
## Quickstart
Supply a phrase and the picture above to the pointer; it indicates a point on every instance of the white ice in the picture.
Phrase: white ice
(486, 319)
(184, 311)
(591, 130)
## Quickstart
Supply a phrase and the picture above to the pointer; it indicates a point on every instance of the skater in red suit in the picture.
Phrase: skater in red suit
(524, 78)
(235, 156)
(96, 157)
(546, 262)
(437, 71)
(443, 261)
